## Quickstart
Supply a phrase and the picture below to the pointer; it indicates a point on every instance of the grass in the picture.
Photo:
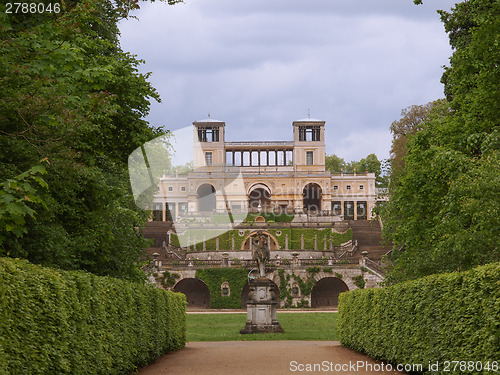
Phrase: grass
(297, 326)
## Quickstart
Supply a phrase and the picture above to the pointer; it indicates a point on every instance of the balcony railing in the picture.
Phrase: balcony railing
(249, 263)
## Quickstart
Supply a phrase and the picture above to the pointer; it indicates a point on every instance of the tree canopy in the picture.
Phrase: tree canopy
(411, 121)
(370, 164)
(71, 97)
(443, 213)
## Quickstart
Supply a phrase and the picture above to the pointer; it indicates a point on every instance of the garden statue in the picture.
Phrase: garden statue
(260, 252)
(261, 303)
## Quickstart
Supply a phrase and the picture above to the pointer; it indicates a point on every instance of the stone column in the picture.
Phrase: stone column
(286, 241)
(232, 242)
(315, 242)
(302, 242)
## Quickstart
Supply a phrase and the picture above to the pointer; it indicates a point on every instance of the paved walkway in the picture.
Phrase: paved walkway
(266, 358)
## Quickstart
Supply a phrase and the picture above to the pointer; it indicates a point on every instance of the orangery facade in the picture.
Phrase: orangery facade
(264, 176)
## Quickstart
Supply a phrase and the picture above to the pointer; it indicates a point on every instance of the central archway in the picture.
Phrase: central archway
(206, 198)
(260, 194)
(196, 292)
(326, 292)
(312, 197)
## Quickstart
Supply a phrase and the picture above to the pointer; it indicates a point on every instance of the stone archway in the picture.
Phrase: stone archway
(326, 292)
(246, 289)
(196, 291)
(206, 198)
(245, 245)
(259, 194)
(312, 197)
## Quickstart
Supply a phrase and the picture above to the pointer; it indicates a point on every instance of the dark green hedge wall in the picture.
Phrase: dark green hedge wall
(214, 277)
(294, 238)
(58, 322)
(446, 317)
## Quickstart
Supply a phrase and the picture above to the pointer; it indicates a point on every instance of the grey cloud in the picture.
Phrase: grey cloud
(260, 65)
(350, 8)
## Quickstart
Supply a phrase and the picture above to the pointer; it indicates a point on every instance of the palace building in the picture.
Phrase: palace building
(264, 176)
(202, 233)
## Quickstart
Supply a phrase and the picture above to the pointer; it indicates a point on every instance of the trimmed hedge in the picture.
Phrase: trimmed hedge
(294, 238)
(60, 322)
(445, 317)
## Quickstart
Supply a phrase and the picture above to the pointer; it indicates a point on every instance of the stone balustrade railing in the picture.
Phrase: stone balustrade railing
(249, 263)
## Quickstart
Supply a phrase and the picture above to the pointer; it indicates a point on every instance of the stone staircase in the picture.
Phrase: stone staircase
(369, 237)
(156, 231)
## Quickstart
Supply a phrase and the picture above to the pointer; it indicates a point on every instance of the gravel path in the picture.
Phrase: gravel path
(264, 357)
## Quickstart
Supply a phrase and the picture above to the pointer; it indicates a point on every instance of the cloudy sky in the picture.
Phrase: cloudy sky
(259, 65)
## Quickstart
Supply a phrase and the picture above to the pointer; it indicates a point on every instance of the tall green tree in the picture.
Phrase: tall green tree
(443, 211)
(72, 97)
(334, 164)
(411, 121)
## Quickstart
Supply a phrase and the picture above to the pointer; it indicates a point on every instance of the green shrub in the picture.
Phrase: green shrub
(294, 238)
(310, 233)
(281, 218)
(60, 322)
(303, 303)
(359, 281)
(446, 317)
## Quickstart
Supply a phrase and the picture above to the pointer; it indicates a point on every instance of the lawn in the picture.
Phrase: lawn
(226, 327)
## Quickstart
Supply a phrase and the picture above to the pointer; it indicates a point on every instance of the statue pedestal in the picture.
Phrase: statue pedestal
(261, 308)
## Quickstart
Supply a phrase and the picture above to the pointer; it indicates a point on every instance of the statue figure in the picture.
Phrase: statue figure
(260, 251)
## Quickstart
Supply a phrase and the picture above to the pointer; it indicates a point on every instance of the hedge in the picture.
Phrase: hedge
(294, 238)
(60, 322)
(445, 317)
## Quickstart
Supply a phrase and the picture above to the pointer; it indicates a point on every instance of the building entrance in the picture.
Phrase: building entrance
(206, 198)
(196, 291)
(259, 199)
(326, 292)
(312, 197)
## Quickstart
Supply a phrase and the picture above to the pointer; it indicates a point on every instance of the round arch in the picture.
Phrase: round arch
(245, 244)
(259, 185)
(259, 194)
(206, 197)
(196, 292)
(246, 289)
(311, 197)
(326, 292)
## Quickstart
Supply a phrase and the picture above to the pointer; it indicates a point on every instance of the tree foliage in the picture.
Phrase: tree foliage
(444, 211)
(370, 164)
(71, 96)
(411, 121)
